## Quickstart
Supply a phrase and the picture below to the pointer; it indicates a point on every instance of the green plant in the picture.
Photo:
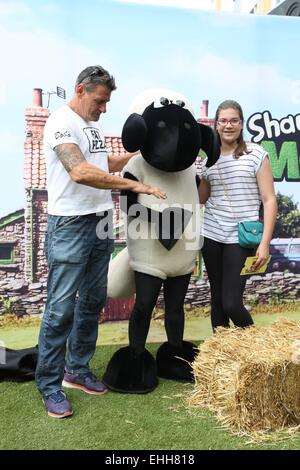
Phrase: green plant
(252, 300)
(7, 304)
(288, 217)
(276, 296)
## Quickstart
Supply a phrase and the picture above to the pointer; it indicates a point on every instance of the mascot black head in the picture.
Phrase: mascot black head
(165, 131)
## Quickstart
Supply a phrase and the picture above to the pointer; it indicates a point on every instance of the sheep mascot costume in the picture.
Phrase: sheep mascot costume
(163, 236)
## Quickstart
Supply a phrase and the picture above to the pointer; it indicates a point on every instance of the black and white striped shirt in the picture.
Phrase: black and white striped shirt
(234, 194)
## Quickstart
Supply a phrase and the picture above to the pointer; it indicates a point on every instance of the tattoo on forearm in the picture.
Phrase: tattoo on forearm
(70, 155)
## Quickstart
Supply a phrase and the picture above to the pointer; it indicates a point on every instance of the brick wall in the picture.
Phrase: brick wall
(13, 273)
(262, 288)
(35, 229)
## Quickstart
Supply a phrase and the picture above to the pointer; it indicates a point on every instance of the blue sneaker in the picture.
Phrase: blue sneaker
(57, 405)
(86, 382)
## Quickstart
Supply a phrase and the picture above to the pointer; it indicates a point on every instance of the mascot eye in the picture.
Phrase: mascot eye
(161, 124)
(164, 101)
(187, 126)
(180, 103)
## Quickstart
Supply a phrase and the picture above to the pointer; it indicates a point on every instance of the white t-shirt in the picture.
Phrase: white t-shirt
(234, 195)
(65, 197)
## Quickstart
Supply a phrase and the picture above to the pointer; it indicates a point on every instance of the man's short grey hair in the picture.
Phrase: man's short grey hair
(95, 75)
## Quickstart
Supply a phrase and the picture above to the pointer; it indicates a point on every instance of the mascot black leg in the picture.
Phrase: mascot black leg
(147, 291)
(174, 357)
(133, 369)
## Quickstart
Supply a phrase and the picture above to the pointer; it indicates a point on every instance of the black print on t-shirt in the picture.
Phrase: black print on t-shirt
(62, 133)
(95, 142)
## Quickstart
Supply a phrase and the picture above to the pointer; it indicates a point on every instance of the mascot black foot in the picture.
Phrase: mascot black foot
(174, 362)
(128, 372)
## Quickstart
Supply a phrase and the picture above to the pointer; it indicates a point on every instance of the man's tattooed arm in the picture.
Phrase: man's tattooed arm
(83, 172)
(70, 155)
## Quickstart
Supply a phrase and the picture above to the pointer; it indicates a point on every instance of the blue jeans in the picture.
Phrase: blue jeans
(78, 263)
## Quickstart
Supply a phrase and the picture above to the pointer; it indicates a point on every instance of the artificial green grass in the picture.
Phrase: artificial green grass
(156, 421)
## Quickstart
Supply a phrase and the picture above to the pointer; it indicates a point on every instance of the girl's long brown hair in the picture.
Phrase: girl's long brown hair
(241, 144)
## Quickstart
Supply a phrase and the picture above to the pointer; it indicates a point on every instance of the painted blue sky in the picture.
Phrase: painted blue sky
(202, 54)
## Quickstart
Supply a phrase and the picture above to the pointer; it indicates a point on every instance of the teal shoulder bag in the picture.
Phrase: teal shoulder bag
(250, 233)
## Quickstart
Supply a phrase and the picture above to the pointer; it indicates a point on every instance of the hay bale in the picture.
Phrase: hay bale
(251, 377)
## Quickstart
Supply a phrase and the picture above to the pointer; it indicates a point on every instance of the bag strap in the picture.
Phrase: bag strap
(225, 191)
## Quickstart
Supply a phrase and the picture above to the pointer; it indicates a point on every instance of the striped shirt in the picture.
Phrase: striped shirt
(234, 195)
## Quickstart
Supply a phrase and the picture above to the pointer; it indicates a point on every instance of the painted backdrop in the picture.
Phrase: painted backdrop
(208, 56)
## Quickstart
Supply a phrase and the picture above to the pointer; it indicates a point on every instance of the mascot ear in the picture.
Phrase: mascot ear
(210, 143)
(134, 132)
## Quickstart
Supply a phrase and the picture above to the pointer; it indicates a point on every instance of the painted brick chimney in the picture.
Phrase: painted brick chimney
(34, 165)
(35, 191)
(204, 119)
(204, 109)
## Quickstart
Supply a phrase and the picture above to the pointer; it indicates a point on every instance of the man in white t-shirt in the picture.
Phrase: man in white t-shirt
(78, 243)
